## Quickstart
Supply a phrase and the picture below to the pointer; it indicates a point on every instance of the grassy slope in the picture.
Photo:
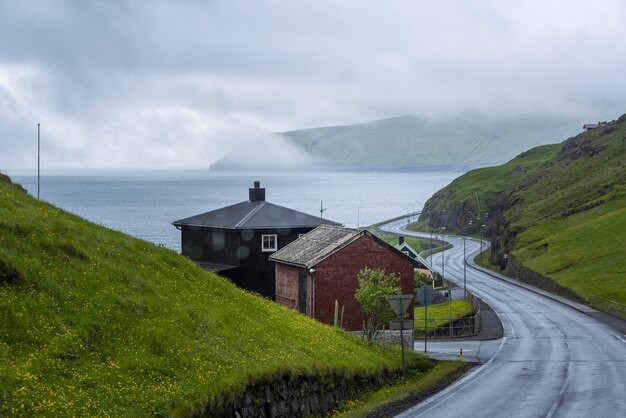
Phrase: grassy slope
(484, 184)
(94, 322)
(582, 251)
(439, 313)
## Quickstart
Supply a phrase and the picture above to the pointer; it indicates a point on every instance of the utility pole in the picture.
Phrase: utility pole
(38, 159)
(481, 243)
(443, 267)
(450, 308)
(464, 272)
(431, 246)
(443, 255)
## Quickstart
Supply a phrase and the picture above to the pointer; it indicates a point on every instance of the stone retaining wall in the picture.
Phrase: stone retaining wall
(526, 275)
(294, 396)
(391, 337)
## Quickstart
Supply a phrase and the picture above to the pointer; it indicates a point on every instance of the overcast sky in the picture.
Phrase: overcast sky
(178, 83)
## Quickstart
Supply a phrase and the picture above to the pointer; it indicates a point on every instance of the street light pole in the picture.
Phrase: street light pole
(481, 243)
(443, 254)
(431, 245)
(464, 271)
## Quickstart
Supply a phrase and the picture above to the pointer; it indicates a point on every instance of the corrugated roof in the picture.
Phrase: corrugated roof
(322, 242)
(315, 246)
(257, 214)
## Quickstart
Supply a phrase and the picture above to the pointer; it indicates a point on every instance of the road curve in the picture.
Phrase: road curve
(553, 361)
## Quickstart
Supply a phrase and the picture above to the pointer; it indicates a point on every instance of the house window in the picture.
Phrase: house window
(268, 243)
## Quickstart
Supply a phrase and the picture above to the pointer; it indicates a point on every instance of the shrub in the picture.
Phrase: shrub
(374, 285)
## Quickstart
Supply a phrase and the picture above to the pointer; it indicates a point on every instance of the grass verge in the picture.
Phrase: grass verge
(484, 261)
(439, 314)
(395, 398)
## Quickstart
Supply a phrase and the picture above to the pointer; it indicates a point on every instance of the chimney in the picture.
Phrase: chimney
(257, 193)
(400, 240)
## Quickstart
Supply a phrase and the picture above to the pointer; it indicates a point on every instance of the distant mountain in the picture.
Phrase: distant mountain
(418, 143)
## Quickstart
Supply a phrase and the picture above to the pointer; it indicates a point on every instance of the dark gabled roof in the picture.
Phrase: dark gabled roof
(322, 242)
(417, 257)
(258, 214)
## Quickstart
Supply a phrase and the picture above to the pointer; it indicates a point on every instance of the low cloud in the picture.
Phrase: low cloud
(267, 153)
(127, 84)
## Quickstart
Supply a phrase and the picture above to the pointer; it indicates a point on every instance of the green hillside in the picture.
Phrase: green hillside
(94, 322)
(559, 210)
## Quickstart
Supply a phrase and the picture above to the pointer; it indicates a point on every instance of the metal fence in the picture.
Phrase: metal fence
(608, 306)
(462, 327)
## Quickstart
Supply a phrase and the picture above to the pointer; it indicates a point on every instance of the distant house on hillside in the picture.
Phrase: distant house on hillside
(590, 126)
(236, 241)
(322, 266)
(405, 248)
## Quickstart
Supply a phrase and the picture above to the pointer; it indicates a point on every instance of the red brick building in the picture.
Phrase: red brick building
(322, 266)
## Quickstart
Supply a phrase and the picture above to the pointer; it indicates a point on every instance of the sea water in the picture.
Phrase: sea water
(145, 203)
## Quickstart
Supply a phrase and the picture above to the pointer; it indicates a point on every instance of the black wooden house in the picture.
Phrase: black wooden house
(236, 241)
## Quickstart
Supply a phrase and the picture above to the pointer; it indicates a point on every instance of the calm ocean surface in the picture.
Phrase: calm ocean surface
(145, 203)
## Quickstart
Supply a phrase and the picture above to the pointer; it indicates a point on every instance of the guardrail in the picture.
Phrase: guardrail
(616, 309)
(462, 327)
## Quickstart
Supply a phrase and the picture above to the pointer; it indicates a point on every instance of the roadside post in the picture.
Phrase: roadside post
(425, 296)
(399, 304)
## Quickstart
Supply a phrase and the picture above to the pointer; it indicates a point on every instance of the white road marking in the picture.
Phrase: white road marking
(559, 398)
(445, 394)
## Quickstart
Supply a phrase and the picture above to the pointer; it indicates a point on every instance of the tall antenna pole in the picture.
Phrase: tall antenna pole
(38, 158)
(322, 210)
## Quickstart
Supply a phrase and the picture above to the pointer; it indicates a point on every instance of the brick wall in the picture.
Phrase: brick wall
(335, 278)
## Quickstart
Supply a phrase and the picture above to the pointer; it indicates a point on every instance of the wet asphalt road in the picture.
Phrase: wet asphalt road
(553, 361)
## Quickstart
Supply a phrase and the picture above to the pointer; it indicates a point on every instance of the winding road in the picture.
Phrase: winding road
(553, 360)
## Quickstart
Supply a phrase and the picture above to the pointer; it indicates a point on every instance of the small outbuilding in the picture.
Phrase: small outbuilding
(322, 267)
(235, 241)
(405, 248)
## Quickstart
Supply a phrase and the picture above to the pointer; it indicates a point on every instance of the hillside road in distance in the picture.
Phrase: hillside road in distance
(553, 360)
